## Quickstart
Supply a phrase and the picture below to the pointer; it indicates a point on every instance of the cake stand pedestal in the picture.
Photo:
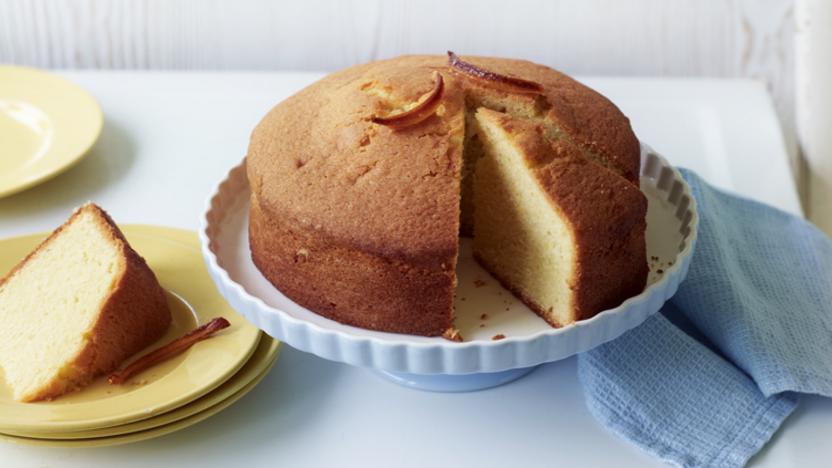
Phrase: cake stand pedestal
(455, 383)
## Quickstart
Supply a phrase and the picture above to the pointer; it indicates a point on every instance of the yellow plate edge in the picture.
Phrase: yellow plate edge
(146, 434)
(66, 163)
(269, 350)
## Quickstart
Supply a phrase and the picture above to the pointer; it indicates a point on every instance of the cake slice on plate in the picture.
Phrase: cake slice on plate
(76, 307)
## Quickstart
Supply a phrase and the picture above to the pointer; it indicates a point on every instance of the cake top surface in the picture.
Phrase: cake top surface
(319, 159)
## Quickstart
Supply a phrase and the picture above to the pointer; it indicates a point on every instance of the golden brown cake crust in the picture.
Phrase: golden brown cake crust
(134, 316)
(352, 286)
(375, 210)
(317, 158)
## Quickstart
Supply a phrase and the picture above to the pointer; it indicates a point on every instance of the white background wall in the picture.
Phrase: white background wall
(721, 38)
(724, 38)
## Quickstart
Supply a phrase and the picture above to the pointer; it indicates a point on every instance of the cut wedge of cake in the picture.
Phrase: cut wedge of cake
(76, 307)
(561, 232)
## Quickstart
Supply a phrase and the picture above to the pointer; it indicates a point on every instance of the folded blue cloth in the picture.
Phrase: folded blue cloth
(709, 380)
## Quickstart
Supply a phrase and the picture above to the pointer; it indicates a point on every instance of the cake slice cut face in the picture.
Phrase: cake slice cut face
(76, 307)
(562, 233)
(521, 237)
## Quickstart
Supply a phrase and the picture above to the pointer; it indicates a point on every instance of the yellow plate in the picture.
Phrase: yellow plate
(146, 434)
(260, 362)
(46, 125)
(174, 256)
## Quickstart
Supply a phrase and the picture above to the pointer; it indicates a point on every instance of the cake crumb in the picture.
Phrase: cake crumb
(478, 283)
(302, 255)
(660, 271)
(498, 336)
(483, 316)
(462, 299)
(452, 334)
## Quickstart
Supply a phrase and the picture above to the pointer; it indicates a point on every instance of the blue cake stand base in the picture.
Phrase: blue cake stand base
(455, 383)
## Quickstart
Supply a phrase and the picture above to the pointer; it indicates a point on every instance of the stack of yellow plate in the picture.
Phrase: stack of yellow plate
(175, 394)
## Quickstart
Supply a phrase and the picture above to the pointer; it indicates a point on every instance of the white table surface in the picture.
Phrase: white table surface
(169, 137)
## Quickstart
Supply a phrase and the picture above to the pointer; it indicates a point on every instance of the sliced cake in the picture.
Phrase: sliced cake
(76, 307)
(362, 183)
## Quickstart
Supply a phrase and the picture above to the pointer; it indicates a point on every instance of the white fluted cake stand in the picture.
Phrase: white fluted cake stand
(483, 308)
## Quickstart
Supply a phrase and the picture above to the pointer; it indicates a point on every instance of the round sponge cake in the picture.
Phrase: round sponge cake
(360, 221)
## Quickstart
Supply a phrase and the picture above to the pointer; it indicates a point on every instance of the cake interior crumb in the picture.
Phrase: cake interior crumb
(452, 334)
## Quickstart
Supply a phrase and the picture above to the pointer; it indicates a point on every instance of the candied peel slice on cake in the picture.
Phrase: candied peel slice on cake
(416, 112)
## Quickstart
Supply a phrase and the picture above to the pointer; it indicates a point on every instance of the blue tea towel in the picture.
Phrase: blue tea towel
(709, 380)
